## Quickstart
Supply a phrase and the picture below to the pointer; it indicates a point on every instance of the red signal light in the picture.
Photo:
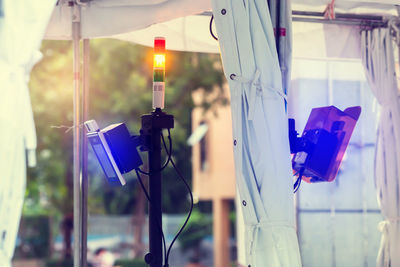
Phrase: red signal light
(159, 72)
(159, 45)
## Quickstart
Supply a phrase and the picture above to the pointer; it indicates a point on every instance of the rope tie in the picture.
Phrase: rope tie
(329, 11)
(395, 28)
(389, 102)
(256, 88)
(255, 229)
(15, 72)
(383, 227)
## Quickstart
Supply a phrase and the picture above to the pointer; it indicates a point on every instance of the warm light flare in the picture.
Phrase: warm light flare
(159, 61)
(159, 73)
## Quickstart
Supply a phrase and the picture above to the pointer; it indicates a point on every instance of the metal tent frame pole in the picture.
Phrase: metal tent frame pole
(76, 134)
(85, 181)
(341, 18)
(80, 143)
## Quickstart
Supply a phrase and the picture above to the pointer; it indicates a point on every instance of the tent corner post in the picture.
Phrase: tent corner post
(85, 177)
(76, 26)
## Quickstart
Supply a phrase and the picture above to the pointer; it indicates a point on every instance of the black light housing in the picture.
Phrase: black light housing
(115, 149)
(123, 147)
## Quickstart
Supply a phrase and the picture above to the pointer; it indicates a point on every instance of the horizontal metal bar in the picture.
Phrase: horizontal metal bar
(341, 22)
(361, 23)
(341, 18)
(206, 13)
(339, 15)
(338, 211)
(364, 145)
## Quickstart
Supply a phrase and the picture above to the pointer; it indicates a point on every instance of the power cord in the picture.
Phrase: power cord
(190, 193)
(164, 165)
(211, 31)
(169, 160)
(297, 184)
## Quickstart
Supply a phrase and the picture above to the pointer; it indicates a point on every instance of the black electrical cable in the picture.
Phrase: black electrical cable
(190, 193)
(159, 226)
(164, 165)
(296, 185)
(211, 31)
(169, 159)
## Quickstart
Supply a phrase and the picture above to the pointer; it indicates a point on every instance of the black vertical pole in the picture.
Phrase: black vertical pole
(155, 213)
(152, 125)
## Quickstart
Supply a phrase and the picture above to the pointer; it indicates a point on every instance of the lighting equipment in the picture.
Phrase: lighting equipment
(117, 153)
(319, 151)
(159, 73)
(115, 149)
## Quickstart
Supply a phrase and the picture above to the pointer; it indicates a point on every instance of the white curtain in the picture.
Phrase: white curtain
(21, 31)
(378, 59)
(260, 132)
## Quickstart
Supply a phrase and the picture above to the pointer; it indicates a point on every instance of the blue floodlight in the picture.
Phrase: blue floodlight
(115, 149)
(320, 149)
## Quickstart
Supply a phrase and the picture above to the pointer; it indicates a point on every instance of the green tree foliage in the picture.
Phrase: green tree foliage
(51, 94)
(120, 91)
(198, 227)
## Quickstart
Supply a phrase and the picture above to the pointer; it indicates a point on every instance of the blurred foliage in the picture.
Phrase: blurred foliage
(33, 238)
(120, 91)
(130, 263)
(59, 263)
(198, 227)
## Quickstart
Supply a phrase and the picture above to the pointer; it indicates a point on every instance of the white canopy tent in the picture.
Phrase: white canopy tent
(183, 22)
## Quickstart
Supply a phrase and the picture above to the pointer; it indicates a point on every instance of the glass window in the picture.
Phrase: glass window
(337, 221)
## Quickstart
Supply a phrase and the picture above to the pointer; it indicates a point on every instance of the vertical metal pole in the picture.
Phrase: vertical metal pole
(364, 193)
(331, 189)
(77, 134)
(155, 213)
(398, 45)
(152, 125)
(330, 82)
(85, 181)
(291, 110)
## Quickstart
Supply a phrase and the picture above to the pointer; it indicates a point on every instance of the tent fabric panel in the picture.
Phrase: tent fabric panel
(261, 147)
(378, 60)
(190, 33)
(21, 32)
(101, 20)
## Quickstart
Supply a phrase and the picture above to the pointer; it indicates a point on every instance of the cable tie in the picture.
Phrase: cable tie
(68, 128)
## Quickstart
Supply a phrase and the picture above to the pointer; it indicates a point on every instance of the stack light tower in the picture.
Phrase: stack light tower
(152, 126)
(159, 73)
